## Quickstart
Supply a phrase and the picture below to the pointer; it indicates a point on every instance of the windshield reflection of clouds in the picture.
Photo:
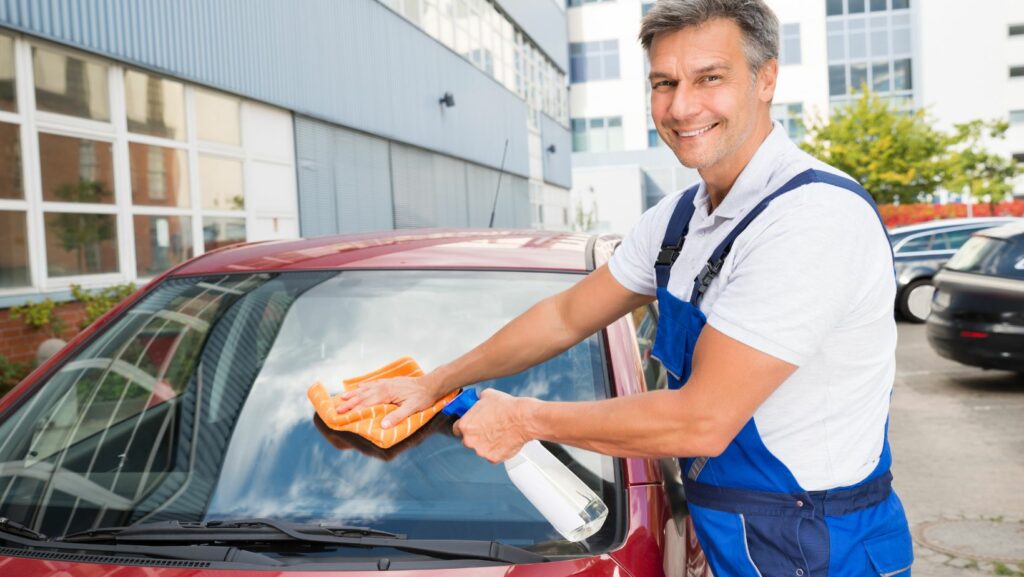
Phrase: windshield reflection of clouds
(279, 465)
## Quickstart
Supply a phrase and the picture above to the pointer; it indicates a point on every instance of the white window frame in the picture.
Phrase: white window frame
(31, 122)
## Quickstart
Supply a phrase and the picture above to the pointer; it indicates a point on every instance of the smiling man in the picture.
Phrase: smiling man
(774, 280)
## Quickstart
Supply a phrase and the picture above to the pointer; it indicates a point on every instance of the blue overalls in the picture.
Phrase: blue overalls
(752, 517)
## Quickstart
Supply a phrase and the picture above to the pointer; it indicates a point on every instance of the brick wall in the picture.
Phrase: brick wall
(18, 341)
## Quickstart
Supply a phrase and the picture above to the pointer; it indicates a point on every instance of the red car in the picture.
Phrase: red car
(174, 437)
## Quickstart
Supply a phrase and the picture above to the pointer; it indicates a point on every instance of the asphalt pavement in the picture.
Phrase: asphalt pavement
(957, 435)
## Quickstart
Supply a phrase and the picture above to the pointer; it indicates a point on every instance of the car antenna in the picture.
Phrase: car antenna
(494, 207)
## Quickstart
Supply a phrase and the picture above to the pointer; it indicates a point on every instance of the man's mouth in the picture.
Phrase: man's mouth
(696, 132)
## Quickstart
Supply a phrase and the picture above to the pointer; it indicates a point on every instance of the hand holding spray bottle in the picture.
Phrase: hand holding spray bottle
(572, 508)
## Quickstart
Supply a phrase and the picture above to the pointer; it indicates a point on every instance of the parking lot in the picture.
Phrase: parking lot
(958, 439)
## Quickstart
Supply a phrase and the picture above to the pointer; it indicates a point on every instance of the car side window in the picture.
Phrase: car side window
(925, 242)
(957, 238)
(645, 319)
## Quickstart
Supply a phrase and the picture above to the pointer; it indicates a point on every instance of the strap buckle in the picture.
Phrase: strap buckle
(708, 274)
(667, 256)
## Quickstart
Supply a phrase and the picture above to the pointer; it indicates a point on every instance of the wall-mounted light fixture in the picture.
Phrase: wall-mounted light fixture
(551, 148)
(448, 99)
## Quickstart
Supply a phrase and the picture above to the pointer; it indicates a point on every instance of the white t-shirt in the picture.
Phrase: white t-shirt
(810, 282)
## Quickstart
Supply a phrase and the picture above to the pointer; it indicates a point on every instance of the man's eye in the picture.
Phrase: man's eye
(712, 78)
(661, 83)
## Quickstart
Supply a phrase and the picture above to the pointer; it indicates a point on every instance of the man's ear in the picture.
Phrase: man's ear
(766, 78)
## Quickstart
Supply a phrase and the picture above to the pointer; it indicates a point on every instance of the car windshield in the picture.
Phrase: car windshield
(192, 406)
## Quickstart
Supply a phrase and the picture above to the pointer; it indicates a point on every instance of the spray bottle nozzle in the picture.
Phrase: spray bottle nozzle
(462, 403)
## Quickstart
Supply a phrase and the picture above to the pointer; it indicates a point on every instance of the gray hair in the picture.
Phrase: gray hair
(756, 20)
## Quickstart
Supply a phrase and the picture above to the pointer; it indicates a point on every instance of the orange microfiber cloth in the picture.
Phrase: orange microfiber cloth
(365, 422)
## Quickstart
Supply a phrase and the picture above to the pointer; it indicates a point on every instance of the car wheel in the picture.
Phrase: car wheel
(915, 302)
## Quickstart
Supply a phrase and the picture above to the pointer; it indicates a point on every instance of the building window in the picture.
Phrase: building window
(67, 84)
(1016, 29)
(574, 3)
(187, 191)
(1016, 71)
(653, 139)
(792, 118)
(8, 96)
(789, 44)
(597, 134)
(1017, 117)
(590, 61)
(870, 46)
(645, 8)
(482, 34)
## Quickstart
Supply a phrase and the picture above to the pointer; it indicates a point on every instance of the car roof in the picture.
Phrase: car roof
(952, 222)
(1006, 231)
(430, 248)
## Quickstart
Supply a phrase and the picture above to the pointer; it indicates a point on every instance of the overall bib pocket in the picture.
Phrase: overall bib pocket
(891, 554)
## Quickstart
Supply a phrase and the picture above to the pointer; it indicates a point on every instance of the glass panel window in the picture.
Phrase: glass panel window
(858, 77)
(590, 61)
(1016, 71)
(858, 44)
(833, 7)
(837, 80)
(217, 117)
(901, 40)
(218, 232)
(879, 42)
(13, 250)
(901, 75)
(69, 85)
(161, 242)
(836, 47)
(220, 180)
(615, 136)
(653, 139)
(900, 4)
(76, 169)
(880, 76)
(1017, 117)
(159, 175)
(878, 5)
(10, 161)
(856, 6)
(8, 97)
(78, 244)
(156, 106)
(789, 52)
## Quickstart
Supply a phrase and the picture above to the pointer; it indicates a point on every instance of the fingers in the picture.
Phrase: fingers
(403, 411)
(364, 396)
(456, 430)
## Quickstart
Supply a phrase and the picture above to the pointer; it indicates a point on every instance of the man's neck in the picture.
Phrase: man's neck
(719, 179)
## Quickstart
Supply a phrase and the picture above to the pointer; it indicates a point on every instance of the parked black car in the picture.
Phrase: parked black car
(921, 250)
(978, 310)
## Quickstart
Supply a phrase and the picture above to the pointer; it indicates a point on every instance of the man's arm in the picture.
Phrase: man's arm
(730, 380)
(548, 328)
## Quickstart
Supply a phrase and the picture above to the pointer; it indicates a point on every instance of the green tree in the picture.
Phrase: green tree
(896, 156)
(974, 169)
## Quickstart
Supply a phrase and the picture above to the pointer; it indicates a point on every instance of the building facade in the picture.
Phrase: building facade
(136, 135)
(960, 61)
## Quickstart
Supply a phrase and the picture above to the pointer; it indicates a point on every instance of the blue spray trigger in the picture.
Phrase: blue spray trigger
(462, 403)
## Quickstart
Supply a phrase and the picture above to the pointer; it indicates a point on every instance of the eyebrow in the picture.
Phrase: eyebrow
(654, 75)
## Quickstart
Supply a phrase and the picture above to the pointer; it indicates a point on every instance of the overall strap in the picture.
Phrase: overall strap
(675, 235)
(714, 264)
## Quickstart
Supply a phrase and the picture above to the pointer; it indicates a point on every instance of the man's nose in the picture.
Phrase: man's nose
(685, 103)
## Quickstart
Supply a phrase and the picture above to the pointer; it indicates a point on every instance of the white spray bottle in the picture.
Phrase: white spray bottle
(572, 508)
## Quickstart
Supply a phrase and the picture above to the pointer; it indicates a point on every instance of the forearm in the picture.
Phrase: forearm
(655, 424)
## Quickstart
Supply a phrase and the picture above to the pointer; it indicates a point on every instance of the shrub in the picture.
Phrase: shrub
(11, 374)
(41, 315)
(98, 302)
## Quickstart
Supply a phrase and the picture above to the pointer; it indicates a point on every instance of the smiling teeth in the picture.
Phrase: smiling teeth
(696, 132)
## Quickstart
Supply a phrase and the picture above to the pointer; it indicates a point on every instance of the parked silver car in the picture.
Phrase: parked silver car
(921, 250)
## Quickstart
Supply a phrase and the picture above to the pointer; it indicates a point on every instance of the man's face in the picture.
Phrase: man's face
(705, 99)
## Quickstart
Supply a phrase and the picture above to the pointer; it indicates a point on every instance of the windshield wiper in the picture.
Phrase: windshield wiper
(15, 528)
(249, 531)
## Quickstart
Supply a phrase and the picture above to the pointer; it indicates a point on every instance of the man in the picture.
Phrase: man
(775, 286)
